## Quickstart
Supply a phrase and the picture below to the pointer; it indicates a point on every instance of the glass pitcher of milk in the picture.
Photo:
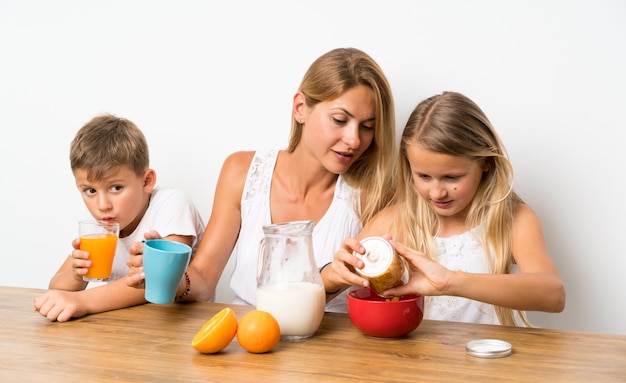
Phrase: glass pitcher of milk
(289, 285)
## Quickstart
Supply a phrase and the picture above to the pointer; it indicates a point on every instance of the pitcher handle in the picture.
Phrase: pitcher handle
(259, 263)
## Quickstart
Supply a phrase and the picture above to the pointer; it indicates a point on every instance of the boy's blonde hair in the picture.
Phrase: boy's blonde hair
(106, 143)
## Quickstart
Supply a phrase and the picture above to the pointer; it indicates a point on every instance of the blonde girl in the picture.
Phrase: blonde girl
(476, 251)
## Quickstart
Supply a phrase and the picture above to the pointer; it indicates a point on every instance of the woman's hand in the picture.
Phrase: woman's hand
(340, 273)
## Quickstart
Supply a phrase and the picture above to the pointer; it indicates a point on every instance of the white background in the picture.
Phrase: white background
(205, 78)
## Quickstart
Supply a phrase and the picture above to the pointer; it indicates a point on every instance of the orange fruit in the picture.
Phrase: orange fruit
(258, 332)
(216, 333)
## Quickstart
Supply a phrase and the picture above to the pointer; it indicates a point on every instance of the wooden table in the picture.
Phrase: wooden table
(151, 343)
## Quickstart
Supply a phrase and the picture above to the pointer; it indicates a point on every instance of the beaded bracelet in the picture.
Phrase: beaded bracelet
(187, 288)
(334, 292)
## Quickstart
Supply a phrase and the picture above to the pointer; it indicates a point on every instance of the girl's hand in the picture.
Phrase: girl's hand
(427, 277)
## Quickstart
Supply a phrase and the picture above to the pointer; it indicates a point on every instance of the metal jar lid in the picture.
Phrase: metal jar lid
(488, 348)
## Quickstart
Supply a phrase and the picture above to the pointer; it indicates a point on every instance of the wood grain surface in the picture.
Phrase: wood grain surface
(151, 343)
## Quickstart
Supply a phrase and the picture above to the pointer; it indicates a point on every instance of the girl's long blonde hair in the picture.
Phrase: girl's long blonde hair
(452, 124)
(333, 74)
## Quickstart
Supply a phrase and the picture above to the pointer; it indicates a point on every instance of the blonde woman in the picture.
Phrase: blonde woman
(335, 171)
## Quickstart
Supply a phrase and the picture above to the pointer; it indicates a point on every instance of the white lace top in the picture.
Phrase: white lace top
(461, 252)
(339, 221)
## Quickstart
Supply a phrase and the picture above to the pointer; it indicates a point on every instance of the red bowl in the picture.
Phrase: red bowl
(382, 317)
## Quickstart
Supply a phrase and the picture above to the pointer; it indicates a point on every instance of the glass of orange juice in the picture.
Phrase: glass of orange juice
(99, 239)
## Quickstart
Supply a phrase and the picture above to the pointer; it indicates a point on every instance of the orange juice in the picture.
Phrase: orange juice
(101, 248)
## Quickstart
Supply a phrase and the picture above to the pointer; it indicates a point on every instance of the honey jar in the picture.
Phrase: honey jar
(384, 268)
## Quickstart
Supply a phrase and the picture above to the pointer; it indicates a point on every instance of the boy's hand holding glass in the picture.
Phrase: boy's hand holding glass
(99, 239)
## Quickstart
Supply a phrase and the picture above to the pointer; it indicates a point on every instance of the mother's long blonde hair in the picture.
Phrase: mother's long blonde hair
(330, 76)
(452, 124)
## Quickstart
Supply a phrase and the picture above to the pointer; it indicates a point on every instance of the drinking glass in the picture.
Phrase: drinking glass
(99, 239)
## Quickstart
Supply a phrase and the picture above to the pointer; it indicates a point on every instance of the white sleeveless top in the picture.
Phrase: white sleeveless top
(461, 252)
(340, 221)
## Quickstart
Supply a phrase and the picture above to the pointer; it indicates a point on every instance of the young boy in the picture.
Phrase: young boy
(110, 161)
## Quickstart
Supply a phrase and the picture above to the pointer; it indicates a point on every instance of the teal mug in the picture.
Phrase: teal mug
(164, 263)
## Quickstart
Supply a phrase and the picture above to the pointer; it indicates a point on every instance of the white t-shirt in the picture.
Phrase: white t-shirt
(340, 221)
(170, 211)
